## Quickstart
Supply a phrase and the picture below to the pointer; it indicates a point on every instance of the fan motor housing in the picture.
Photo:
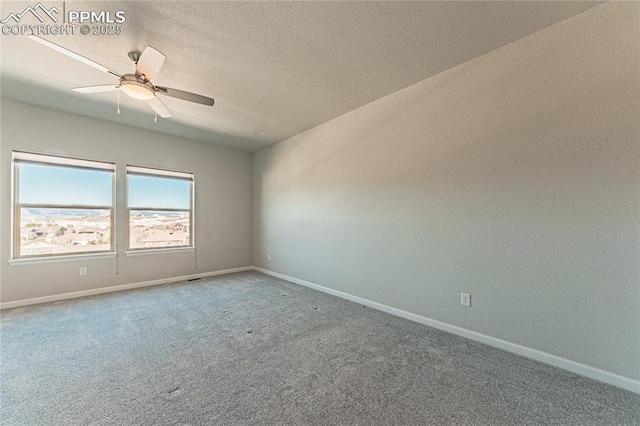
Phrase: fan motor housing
(132, 86)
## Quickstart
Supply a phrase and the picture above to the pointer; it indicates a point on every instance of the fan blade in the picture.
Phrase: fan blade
(159, 107)
(73, 55)
(149, 63)
(187, 96)
(96, 89)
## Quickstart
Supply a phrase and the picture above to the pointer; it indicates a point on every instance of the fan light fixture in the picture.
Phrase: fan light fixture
(137, 85)
(137, 89)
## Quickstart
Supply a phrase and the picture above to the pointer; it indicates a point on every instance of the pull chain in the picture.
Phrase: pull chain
(155, 118)
(118, 108)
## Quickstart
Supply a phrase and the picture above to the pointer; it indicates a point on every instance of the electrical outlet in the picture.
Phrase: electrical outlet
(269, 256)
(84, 270)
(465, 299)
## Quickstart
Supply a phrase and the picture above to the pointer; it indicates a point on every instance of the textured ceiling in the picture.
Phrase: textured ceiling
(274, 68)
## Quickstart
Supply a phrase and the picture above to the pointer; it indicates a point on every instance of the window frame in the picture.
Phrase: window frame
(22, 157)
(160, 173)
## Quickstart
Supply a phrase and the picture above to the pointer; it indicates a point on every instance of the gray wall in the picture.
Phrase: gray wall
(514, 177)
(222, 198)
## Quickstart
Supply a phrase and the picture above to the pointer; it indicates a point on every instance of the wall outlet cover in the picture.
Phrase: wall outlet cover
(465, 299)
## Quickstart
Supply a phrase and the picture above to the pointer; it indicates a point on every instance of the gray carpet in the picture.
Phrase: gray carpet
(249, 349)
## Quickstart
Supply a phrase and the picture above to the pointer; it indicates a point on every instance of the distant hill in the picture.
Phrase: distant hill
(152, 213)
(41, 214)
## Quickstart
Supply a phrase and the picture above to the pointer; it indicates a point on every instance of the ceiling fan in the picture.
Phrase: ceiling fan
(137, 85)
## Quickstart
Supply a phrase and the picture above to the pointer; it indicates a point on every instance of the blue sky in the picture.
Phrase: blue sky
(147, 191)
(64, 185)
(70, 186)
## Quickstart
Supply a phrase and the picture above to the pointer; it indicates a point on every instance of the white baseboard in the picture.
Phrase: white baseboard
(101, 290)
(556, 361)
(566, 364)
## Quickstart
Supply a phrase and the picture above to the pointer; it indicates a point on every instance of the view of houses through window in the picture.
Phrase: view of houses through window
(159, 208)
(65, 206)
(64, 231)
(62, 205)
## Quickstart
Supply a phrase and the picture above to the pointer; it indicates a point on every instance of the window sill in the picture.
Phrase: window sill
(56, 259)
(147, 252)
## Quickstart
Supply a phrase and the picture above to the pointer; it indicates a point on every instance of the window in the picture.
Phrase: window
(159, 208)
(62, 206)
